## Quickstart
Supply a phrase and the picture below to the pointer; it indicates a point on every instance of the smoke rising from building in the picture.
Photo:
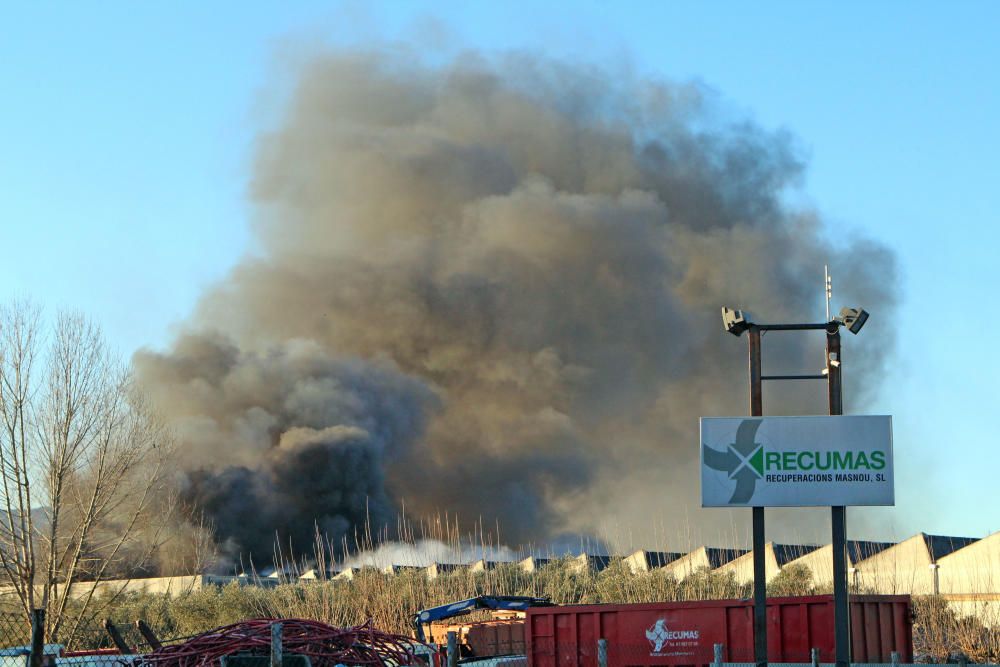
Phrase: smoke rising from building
(492, 287)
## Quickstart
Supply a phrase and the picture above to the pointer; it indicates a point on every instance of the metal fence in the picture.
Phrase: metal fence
(99, 644)
(15, 629)
(97, 635)
(603, 653)
(500, 661)
(90, 643)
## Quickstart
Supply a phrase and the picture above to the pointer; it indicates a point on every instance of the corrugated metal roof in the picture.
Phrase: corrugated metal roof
(532, 563)
(594, 562)
(656, 559)
(717, 557)
(987, 543)
(786, 553)
(435, 569)
(940, 546)
(859, 550)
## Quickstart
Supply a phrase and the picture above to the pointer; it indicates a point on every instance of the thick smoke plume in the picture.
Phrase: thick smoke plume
(492, 287)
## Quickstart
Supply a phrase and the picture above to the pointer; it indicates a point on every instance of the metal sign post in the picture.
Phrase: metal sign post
(838, 516)
(759, 565)
(742, 454)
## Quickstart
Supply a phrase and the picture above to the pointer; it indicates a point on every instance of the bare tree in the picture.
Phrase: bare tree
(192, 548)
(82, 467)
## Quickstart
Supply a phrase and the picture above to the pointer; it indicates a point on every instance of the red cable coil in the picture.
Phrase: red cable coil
(325, 645)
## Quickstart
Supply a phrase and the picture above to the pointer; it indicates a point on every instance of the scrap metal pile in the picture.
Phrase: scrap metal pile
(325, 645)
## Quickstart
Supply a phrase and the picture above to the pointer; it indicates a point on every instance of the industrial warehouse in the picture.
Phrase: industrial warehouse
(962, 570)
(896, 589)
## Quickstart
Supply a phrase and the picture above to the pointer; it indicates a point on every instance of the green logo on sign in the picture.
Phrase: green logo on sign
(743, 460)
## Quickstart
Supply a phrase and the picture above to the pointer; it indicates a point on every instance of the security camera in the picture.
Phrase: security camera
(735, 321)
(853, 319)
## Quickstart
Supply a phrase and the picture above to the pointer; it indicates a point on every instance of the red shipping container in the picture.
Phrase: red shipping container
(684, 633)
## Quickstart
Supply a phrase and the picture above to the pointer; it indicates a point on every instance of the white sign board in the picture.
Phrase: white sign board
(796, 461)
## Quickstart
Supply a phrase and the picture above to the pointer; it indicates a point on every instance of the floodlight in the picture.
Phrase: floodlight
(853, 319)
(735, 321)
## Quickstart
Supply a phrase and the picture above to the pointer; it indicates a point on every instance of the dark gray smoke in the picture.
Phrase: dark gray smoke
(492, 287)
(286, 440)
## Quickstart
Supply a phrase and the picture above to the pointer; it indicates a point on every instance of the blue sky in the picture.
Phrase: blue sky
(126, 133)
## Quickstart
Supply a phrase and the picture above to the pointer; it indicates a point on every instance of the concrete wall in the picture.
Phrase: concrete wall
(973, 569)
(172, 586)
(532, 564)
(483, 565)
(688, 564)
(983, 606)
(435, 570)
(742, 566)
(820, 563)
(644, 561)
(637, 561)
(904, 568)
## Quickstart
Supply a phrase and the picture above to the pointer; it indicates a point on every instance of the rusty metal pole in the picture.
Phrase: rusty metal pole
(116, 637)
(838, 514)
(834, 368)
(37, 655)
(148, 634)
(756, 386)
(759, 569)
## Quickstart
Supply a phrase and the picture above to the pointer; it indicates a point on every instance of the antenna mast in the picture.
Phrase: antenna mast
(828, 282)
